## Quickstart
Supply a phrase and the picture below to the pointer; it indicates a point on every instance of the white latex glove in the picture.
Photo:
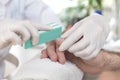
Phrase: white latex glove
(86, 37)
(17, 32)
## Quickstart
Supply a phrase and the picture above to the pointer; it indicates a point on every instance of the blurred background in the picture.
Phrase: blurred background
(71, 11)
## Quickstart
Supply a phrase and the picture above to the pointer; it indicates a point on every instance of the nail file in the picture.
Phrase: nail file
(46, 36)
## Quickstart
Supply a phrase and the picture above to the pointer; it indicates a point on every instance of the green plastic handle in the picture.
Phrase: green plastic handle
(46, 36)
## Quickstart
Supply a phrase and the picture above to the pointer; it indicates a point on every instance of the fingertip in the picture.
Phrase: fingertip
(54, 58)
(62, 61)
(61, 48)
(61, 57)
(35, 41)
(43, 54)
(14, 39)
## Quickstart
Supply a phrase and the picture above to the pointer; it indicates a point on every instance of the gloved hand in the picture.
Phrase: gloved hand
(17, 32)
(86, 37)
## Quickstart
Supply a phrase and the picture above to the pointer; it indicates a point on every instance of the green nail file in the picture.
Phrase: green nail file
(46, 36)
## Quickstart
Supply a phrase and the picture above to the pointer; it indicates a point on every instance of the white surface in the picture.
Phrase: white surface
(31, 66)
(112, 46)
(47, 70)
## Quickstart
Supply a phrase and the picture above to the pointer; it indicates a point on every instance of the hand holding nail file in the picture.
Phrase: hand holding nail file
(46, 36)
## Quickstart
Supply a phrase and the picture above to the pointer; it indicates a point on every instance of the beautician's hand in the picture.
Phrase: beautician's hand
(17, 32)
(86, 37)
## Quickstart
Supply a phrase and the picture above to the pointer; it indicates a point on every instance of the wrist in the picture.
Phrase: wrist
(112, 61)
(106, 57)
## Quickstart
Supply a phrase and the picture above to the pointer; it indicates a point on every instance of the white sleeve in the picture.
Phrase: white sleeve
(3, 53)
(39, 12)
(112, 43)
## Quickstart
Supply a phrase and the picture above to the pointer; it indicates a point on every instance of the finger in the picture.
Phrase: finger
(22, 32)
(80, 45)
(93, 55)
(67, 33)
(15, 39)
(9, 38)
(86, 52)
(34, 33)
(69, 41)
(44, 54)
(41, 26)
(60, 54)
(59, 41)
(52, 53)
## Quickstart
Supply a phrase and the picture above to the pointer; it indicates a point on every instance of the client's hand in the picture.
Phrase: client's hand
(91, 66)
(53, 53)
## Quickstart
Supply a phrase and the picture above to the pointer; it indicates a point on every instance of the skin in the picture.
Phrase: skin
(109, 75)
(106, 63)
(53, 53)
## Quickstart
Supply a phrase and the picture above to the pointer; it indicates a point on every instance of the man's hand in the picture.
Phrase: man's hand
(105, 61)
(92, 66)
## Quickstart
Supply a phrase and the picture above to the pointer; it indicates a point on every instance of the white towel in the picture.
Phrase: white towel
(45, 69)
